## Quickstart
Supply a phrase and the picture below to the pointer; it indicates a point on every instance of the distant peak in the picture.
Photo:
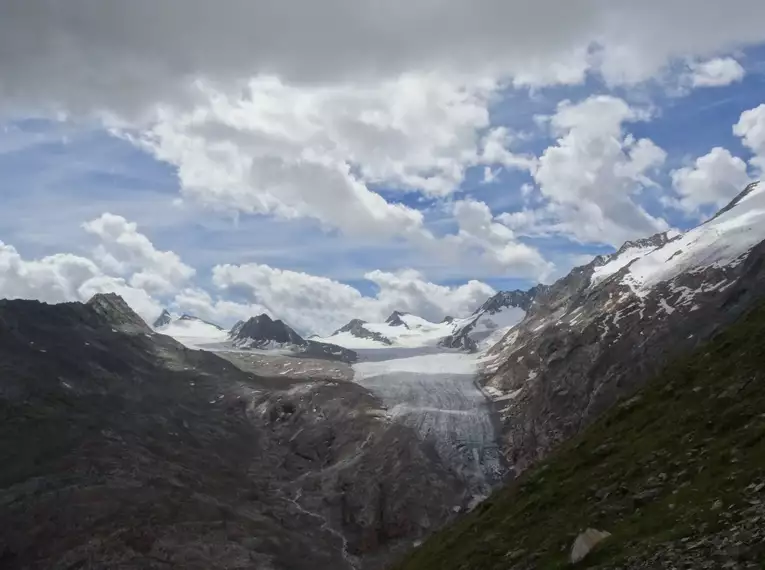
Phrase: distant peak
(351, 325)
(164, 319)
(394, 319)
(262, 330)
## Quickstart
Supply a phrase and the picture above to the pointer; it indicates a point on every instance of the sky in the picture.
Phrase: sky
(323, 161)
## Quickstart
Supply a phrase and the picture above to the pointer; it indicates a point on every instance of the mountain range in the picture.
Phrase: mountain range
(623, 398)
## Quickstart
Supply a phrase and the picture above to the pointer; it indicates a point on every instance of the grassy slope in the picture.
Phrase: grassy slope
(668, 473)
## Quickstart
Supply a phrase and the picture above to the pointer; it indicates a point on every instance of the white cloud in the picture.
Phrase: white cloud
(123, 250)
(82, 55)
(713, 180)
(200, 303)
(482, 235)
(751, 129)
(317, 304)
(716, 72)
(594, 172)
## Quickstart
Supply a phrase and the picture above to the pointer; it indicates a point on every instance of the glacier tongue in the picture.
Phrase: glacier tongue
(436, 394)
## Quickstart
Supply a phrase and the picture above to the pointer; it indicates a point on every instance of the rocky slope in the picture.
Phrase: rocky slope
(262, 332)
(123, 448)
(672, 477)
(596, 335)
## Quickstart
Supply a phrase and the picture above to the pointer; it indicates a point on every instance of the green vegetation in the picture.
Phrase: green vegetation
(676, 474)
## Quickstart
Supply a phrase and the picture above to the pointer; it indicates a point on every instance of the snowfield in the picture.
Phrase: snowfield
(721, 241)
(194, 333)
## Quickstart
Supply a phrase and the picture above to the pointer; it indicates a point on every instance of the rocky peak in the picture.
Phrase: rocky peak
(394, 319)
(118, 313)
(503, 299)
(352, 324)
(164, 319)
(263, 330)
(448, 319)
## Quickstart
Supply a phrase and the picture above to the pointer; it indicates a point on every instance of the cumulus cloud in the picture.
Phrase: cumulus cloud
(123, 249)
(481, 234)
(593, 173)
(716, 72)
(317, 304)
(751, 129)
(713, 180)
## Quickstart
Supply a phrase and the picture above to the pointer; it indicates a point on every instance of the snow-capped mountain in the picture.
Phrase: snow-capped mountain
(398, 330)
(264, 333)
(597, 334)
(480, 330)
(189, 329)
(489, 323)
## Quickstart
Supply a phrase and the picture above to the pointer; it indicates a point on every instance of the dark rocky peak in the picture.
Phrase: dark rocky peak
(353, 324)
(448, 319)
(394, 319)
(262, 330)
(118, 313)
(504, 299)
(737, 200)
(164, 319)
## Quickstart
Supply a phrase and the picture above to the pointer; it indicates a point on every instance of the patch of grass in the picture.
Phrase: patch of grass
(673, 464)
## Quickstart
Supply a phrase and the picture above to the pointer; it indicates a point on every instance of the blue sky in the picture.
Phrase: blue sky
(367, 176)
(58, 174)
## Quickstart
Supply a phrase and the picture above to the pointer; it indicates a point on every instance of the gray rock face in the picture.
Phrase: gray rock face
(130, 450)
(582, 345)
